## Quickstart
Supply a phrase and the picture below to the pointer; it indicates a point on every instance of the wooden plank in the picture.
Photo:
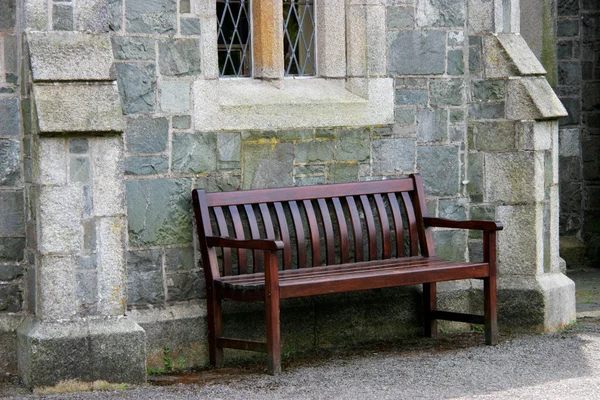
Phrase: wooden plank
(412, 224)
(239, 234)
(328, 227)
(342, 230)
(370, 222)
(398, 227)
(313, 230)
(285, 235)
(239, 344)
(385, 226)
(257, 256)
(267, 220)
(458, 317)
(223, 231)
(308, 192)
(425, 233)
(299, 230)
(356, 227)
(203, 228)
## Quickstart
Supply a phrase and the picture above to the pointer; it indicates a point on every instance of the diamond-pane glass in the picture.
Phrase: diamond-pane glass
(299, 37)
(234, 37)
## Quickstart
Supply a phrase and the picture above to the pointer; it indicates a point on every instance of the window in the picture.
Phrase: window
(234, 37)
(340, 44)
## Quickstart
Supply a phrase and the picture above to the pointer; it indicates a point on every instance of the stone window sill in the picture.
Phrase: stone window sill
(250, 104)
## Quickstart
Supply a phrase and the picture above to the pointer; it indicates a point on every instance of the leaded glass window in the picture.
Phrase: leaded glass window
(234, 38)
(299, 37)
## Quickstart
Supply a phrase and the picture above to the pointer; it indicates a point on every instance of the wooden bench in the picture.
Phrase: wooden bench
(270, 244)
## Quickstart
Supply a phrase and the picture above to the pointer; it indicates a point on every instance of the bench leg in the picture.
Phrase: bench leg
(490, 307)
(273, 335)
(429, 304)
(215, 327)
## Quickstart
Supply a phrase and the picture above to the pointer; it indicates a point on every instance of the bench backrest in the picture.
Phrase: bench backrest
(319, 225)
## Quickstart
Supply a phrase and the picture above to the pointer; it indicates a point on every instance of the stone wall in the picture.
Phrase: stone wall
(472, 113)
(578, 50)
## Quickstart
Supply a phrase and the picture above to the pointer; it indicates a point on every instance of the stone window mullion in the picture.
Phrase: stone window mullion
(267, 22)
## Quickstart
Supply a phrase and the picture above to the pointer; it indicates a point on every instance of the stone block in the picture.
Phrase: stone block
(432, 125)
(570, 169)
(175, 96)
(62, 17)
(10, 298)
(451, 244)
(567, 27)
(229, 147)
(314, 151)
(92, 108)
(36, 14)
(569, 73)
(159, 211)
(78, 146)
(590, 96)
(146, 165)
(456, 38)
(87, 289)
(455, 209)
(456, 134)
(8, 11)
(115, 15)
(9, 116)
(56, 293)
(182, 122)
(70, 56)
(147, 135)
(400, 17)
(184, 6)
(190, 26)
(456, 62)
(487, 110)
(194, 153)
(353, 145)
(446, 92)
(50, 158)
(151, 16)
(444, 13)
(79, 170)
(109, 349)
(12, 213)
(179, 57)
(133, 48)
(514, 177)
(11, 54)
(137, 87)
(180, 259)
(11, 250)
(480, 16)
(393, 155)
(520, 248)
(111, 257)
(564, 50)
(568, 8)
(417, 52)
(92, 16)
(106, 155)
(405, 117)
(267, 165)
(342, 172)
(439, 167)
(219, 183)
(411, 97)
(145, 277)
(10, 162)
(492, 135)
(488, 90)
(59, 219)
(185, 286)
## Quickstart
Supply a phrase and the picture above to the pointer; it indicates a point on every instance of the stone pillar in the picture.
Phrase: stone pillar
(513, 169)
(77, 214)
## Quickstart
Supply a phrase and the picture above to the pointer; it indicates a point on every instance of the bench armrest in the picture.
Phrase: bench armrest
(474, 224)
(251, 244)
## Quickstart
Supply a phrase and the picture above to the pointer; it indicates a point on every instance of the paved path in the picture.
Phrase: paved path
(563, 365)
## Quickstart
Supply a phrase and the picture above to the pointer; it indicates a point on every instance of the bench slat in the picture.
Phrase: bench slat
(239, 234)
(385, 225)
(328, 226)
(285, 235)
(313, 230)
(370, 222)
(223, 231)
(412, 224)
(398, 227)
(257, 256)
(342, 230)
(357, 228)
(299, 230)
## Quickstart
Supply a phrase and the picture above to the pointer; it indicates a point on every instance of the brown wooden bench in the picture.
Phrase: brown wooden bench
(270, 244)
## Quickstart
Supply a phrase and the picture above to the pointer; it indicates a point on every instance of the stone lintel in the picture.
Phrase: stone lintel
(78, 108)
(84, 350)
(70, 56)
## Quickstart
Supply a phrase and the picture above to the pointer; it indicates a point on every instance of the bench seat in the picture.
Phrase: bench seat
(352, 276)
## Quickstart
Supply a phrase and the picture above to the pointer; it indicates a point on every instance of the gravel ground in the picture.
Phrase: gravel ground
(564, 365)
